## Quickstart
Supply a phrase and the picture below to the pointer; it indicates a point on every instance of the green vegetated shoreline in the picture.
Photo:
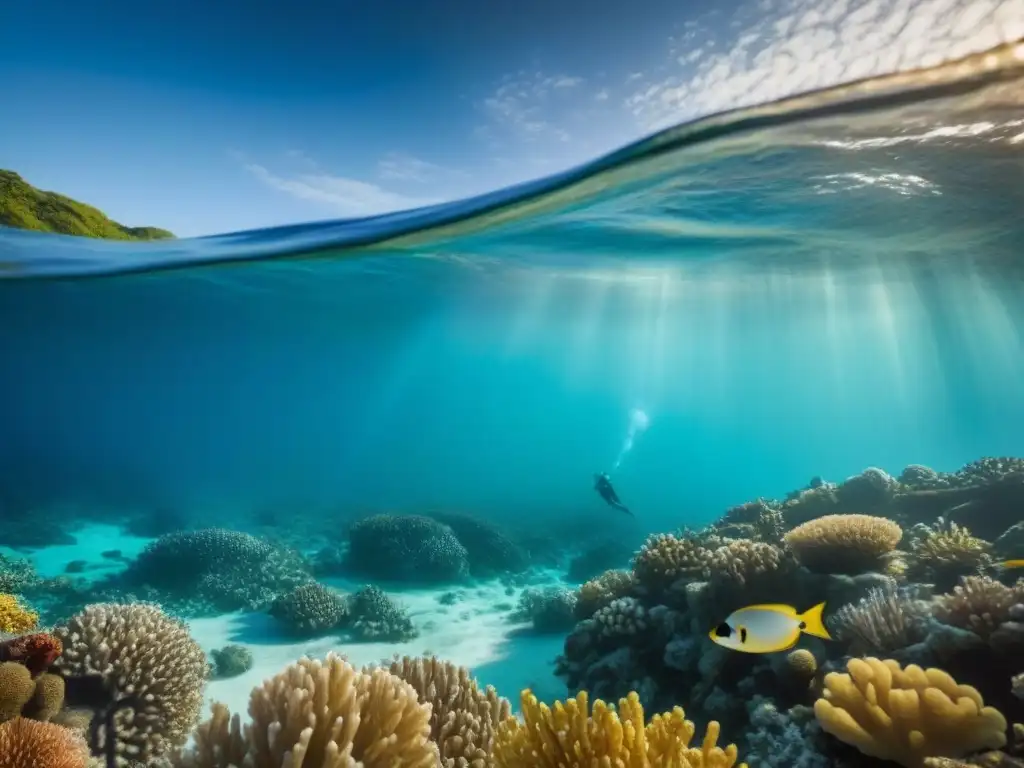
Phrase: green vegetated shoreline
(25, 207)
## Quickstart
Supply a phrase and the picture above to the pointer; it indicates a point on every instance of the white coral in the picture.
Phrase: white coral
(624, 616)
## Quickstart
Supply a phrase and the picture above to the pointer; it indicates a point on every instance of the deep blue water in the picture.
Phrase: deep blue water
(803, 290)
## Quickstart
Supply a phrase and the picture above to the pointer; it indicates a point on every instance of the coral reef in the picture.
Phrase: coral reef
(597, 593)
(310, 609)
(321, 713)
(230, 661)
(375, 616)
(843, 543)
(489, 551)
(551, 609)
(147, 658)
(213, 570)
(410, 548)
(463, 719)
(15, 617)
(906, 715)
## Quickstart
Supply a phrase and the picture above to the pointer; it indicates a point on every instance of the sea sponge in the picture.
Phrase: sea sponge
(664, 558)
(142, 653)
(568, 735)
(322, 713)
(597, 593)
(463, 718)
(310, 609)
(16, 688)
(844, 543)
(31, 744)
(15, 617)
(36, 651)
(906, 715)
(980, 604)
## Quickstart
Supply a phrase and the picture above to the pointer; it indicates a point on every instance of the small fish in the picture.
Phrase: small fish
(768, 628)
(1012, 564)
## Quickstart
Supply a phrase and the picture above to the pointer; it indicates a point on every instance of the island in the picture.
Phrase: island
(24, 207)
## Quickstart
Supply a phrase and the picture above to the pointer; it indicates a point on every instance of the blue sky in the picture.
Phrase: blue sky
(206, 117)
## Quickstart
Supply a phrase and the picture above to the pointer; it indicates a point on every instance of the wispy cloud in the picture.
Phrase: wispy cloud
(771, 50)
(523, 103)
(397, 166)
(345, 196)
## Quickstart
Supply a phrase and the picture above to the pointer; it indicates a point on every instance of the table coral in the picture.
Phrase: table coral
(906, 715)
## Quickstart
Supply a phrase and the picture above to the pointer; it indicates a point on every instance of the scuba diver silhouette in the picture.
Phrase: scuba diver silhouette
(603, 485)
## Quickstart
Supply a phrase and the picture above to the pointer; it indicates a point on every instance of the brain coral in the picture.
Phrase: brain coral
(321, 713)
(569, 736)
(407, 548)
(844, 543)
(143, 653)
(906, 715)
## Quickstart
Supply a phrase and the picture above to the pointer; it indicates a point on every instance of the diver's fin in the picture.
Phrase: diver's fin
(813, 622)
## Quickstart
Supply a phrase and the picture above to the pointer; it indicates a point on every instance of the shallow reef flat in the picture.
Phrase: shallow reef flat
(414, 628)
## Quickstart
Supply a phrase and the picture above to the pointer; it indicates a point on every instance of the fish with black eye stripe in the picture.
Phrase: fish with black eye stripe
(769, 628)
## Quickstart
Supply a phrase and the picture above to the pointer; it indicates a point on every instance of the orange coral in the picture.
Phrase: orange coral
(36, 651)
(26, 742)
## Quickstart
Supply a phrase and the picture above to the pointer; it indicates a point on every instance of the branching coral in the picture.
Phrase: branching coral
(570, 736)
(143, 654)
(980, 604)
(322, 713)
(906, 715)
(597, 593)
(665, 558)
(32, 744)
(15, 617)
(309, 609)
(887, 620)
(948, 551)
(463, 718)
(844, 543)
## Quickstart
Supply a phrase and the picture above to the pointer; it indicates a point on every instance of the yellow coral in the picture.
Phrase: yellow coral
(566, 736)
(599, 592)
(844, 543)
(15, 617)
(906, 715)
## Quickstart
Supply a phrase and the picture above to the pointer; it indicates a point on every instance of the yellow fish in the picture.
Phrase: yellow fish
(769, 628)
(1012, 564)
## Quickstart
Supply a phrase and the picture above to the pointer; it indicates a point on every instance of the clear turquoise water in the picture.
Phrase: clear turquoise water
(804, 289)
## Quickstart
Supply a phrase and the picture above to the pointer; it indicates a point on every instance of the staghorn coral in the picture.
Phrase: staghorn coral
(621, 617)
(463, 718)
(980, 604)
(597, 593)
(568, 735)
(886, 620)
(15, 617)
(320, 713)
(144, 654)
(664, 558)
(31, 744)
(844, 543)
(309, 609)
(36, 651)
(948, 551)
(906, 715)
